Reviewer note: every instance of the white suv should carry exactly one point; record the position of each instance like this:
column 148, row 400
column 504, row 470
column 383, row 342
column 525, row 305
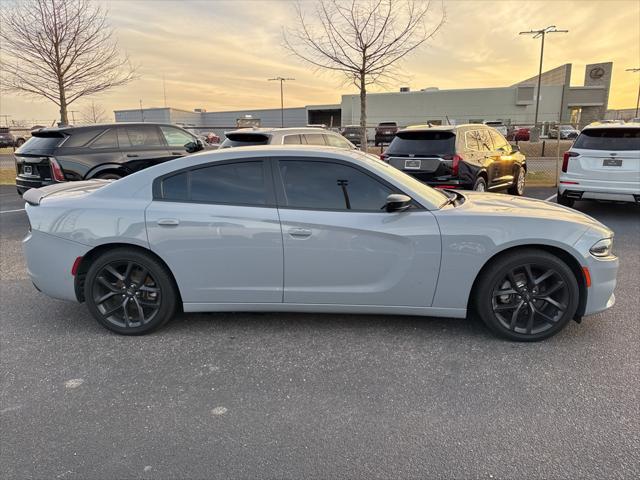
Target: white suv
column 602, row 164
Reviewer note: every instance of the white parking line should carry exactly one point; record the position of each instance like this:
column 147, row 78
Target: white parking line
column 551, row 197
column 12, row 211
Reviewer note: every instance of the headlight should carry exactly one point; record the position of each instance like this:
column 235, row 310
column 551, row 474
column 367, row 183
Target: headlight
column 602, row 248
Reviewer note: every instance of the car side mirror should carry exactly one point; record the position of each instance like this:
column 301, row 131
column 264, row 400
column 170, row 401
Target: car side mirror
column 397, row 202
column 195, row 146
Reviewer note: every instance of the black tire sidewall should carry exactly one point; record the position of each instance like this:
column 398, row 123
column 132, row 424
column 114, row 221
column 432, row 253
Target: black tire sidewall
column 513, row 190
column 562, row 200
column 497, row 270
column 160, row 274
column 109, row 176
column 478, row 181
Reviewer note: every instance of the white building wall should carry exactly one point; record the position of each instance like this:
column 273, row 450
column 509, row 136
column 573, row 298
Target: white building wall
column 293, row 117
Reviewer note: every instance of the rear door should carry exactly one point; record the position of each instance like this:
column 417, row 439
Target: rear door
column 142, row 146
column 217, row 227
column 608, row 154
column 341, row 247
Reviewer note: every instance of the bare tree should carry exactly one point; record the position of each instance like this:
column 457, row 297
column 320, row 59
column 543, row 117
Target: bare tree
column 93, row 113
column 61, row 50
column 363, row 39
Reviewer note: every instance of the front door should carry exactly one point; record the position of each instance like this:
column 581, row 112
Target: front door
column 341, row 247
column 217, row 228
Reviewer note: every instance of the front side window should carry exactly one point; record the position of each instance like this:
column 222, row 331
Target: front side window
column 139, row 136
column 330, row 186
column 176, row 137
column 499, row 142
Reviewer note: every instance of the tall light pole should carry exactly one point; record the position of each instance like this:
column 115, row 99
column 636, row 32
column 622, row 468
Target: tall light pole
column 541, row 33
column 636, row 70
column 281, row 80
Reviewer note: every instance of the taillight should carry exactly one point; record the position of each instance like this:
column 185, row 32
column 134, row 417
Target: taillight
column 565, row 160
column 384, row 157
column 56, row 171
column 455, row 163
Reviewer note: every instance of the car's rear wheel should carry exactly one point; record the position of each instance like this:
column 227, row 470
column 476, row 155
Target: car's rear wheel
column 527, row 295
column 518, row 182
column 565, row 201
column 130, row 292
column 480, row 185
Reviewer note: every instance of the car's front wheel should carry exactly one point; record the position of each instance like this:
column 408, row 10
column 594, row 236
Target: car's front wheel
column 527, row 295
column 518, row 182
column 130, row 292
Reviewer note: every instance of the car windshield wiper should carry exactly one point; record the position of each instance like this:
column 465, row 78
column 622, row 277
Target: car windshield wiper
column 452, row 197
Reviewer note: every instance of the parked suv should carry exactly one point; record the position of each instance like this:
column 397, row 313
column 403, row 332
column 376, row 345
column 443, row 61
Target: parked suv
column 6, row 138
column 285, row 136
column 602, row 164
column 108, row 151
column 352, row 133
column 385, row 131
column 464, row 156
column 566, row 132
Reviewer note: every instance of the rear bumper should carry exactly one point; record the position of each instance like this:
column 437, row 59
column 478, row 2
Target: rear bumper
column 384, row 137
column 49, row 262
column 581, row 189
column 23, row 184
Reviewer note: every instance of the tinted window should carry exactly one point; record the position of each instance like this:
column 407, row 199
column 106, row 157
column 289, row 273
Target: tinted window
column 325, row 185
column 176, row 137
column 387, row 124
column 41, row 143
column 175, row 187
column 235, row 183
column 314, row 138
column 139, row 136
column 484, row 140
column 244, row 140
column 292, row 140
column 608, row 139
column 107, row 140
column 336, row 141
column 471, row 140
column 423, row 143
column 79, row 138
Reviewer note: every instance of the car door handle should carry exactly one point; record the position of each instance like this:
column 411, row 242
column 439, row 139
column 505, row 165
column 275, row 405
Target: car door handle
column 132, row 155
column 168, row 222
column 299, row 232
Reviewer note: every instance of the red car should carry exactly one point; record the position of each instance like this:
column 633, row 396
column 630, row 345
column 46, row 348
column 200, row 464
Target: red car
column 519, row 134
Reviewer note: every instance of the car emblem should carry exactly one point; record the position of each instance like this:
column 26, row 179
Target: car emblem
column 412, row 155
column 27, row 170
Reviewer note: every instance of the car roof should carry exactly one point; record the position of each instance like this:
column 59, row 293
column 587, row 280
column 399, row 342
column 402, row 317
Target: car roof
column 610, row 125
column 71, row 128
column 278, row 130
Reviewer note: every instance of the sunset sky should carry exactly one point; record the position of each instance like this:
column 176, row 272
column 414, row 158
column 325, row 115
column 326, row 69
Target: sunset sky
column 218, row 54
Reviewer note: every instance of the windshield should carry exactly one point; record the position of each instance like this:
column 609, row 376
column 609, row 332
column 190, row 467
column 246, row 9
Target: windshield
column 609, row 139
column 435, row 197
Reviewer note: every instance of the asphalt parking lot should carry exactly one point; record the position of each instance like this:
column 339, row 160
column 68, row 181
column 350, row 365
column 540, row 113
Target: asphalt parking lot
column 315, row 396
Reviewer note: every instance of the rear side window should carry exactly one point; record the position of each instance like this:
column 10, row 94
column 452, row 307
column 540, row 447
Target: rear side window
column 139, row 136
column 609, row 139
column 80, row 138
column 244, row 140
column 239, row 183
column 292, row 140
column 108, row 139
column 330, row 186
column 423, row 143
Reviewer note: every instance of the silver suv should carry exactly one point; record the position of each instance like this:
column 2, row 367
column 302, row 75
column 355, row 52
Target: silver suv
column 602, row 164
column 285, row 136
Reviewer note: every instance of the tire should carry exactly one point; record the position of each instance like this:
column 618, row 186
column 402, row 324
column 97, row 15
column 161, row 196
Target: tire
column 518, row 183
column 140, row 307
column 532, row 310
column 109, row 176
column 19, row 142
column 480, row 185
column 562, row 200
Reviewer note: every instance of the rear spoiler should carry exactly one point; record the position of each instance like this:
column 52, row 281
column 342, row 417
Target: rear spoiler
column 34, row 196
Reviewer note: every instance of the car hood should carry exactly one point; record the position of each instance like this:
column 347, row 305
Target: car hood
column 522, row 207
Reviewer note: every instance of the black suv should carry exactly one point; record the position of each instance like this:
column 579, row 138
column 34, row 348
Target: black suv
column 471, row 156
column 108, row 151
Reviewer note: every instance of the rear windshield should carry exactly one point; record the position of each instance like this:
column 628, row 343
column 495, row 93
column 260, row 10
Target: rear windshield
column 387, row 124
column 40, row 142
column 423, row 143
column 244, row 140
column 609, row 139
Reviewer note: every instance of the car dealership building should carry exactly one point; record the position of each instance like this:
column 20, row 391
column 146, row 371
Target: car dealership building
column 514, row 105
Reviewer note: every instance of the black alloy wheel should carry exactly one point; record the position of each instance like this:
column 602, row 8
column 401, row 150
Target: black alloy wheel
column 528, row 295
column 129, row 292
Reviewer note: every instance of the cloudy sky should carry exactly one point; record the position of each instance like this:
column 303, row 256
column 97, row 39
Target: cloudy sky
column 218, row 54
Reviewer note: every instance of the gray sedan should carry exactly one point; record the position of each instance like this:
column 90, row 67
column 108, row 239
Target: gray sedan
column 311, row 229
